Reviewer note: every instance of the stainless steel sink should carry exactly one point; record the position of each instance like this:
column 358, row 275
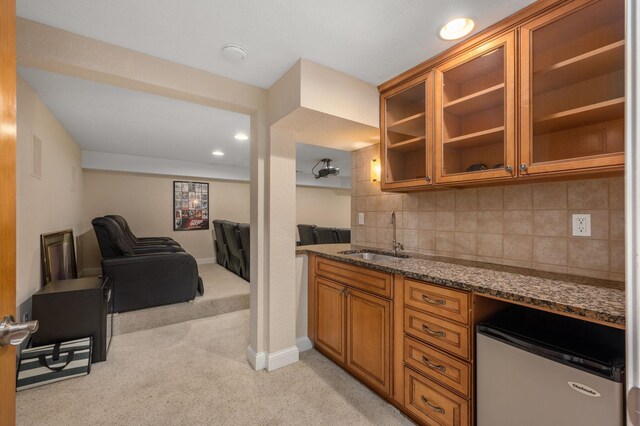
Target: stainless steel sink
column 376, row 257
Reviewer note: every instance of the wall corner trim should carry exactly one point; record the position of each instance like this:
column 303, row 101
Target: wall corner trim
column 282, row 358
column 257, row 360
column 304, row 343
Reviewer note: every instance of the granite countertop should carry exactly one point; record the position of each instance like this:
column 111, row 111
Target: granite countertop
column 592, row 298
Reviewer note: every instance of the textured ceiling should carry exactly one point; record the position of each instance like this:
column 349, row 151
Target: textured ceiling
column 373, row 40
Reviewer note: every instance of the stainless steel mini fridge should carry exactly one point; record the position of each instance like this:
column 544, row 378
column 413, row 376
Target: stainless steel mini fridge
column 541, row 369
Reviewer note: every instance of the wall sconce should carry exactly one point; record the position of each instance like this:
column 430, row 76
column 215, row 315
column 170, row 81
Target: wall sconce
column 375, row 170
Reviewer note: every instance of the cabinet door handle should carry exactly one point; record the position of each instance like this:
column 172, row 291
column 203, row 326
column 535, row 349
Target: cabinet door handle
column 523, row 167
column 440, row 368
column 433, row 301
column 432, row 332
column 509, row 169
column 345, row 292
column 435, row 408
column 427, row 178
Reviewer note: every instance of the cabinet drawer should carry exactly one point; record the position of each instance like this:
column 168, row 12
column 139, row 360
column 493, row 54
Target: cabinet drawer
column 437, row 365
column 432, row 403
column 450, row 304
column 376, row 282
column 442, row 334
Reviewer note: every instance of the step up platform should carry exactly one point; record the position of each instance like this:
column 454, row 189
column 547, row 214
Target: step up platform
column 224, row 292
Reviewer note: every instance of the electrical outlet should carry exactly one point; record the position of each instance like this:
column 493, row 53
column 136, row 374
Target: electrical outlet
column 360, row 218
column 581, row 225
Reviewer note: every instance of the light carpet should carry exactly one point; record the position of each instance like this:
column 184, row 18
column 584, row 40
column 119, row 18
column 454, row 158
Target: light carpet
column 196, row 373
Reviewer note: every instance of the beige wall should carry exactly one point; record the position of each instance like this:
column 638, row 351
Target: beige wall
column 50, row 203
column 145, row 201
column 323, row 206
column 527, row 225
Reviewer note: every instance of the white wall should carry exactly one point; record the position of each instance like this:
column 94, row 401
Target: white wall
column 50, row 203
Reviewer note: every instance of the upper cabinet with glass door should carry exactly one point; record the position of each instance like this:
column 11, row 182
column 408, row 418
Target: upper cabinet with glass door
column 474, row 114
column 406, row 135
column 572, row 89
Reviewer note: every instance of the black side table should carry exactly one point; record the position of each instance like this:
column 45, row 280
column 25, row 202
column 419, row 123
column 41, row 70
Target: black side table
column 72, row 309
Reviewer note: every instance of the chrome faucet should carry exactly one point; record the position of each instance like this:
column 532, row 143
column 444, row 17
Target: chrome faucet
column 396, row 244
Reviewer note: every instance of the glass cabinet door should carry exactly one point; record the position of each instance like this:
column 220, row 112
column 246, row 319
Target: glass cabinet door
column 474, row 114
column 572, row 74
column 406, row 142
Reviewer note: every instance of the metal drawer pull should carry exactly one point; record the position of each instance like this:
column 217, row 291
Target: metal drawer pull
column 435, row 408
column 440, row 368
column 433, row 333
column 433, row 301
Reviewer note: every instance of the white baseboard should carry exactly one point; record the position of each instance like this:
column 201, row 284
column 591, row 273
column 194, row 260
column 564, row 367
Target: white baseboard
column 282, row 358
column 205, row 260
column 273, row 361
column 257, row 360
column 304, row 343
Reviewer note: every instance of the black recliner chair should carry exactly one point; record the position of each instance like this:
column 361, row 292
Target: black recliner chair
column 222, row 250
column 140, row 241
column 307, row 236
column 343, row 234
column 234, row 244
column 144, row 277
column 245, row 238
column 325, row 235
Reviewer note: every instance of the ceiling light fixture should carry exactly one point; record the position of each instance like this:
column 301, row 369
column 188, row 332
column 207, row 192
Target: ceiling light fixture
column 456, row 28
column 217, row 153
column 234, row 52
column 241, row 137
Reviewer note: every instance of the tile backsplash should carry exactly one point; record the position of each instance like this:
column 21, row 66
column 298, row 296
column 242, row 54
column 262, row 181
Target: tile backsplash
column 526, row 225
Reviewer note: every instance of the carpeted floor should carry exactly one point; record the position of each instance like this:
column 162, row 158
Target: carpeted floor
column 195, row 373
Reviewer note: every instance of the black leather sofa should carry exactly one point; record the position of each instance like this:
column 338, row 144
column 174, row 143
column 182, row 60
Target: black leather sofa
column 220, row 244
column 135, row 241
column 312, row 234
column 232, row 242
column 145, row 276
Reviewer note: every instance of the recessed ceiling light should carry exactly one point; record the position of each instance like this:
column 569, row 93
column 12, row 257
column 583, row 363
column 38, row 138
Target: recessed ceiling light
column 234, row 52
column 456, row 28
column 218, row 153
column 241, row 137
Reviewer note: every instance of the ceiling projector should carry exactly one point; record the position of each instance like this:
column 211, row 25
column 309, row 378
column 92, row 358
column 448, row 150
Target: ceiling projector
column 326, row 170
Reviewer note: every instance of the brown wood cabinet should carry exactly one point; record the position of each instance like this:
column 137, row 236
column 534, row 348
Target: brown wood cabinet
column 352, row 323
column 369, row 339
column 406, row 121
column 464, row 131
column 572, row 88
column 475, row 113
column 330, row 319
column 408, row 340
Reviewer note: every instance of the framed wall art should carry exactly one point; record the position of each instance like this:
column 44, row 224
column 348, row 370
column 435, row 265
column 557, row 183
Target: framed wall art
column 190, row 205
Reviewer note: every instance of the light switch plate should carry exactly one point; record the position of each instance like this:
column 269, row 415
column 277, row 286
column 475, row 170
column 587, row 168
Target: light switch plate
column 581, row 225
column 360, row 218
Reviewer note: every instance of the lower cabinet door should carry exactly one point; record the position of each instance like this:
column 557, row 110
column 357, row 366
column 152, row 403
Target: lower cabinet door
column 330, row 319
column 369, row 339
column 432, row 403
